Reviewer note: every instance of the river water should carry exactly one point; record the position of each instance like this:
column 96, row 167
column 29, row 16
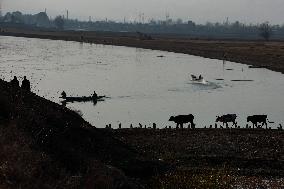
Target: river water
column 141, row 86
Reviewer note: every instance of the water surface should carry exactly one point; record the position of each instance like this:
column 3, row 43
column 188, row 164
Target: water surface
column 142, row 87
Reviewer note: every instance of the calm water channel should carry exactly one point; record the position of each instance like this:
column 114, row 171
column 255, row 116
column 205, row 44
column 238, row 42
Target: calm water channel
column 142, row 87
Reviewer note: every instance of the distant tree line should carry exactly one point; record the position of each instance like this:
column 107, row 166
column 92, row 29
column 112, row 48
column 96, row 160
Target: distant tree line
column 179, row 27
column 38, row 20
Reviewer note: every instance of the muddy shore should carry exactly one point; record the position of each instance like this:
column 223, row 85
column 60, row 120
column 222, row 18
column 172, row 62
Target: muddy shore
column 268, row 55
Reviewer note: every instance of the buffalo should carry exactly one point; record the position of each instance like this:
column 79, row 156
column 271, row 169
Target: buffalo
column 255, row 119
column 183, row 119
column 225, row 119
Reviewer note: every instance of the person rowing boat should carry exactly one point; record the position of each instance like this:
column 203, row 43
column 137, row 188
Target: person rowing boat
column 194, row 78
column 94, row 97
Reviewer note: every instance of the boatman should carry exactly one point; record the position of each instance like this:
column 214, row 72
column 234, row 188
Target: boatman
column 95, row 96
column 63, row 95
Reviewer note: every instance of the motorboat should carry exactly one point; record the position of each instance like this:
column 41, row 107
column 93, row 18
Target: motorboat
column 197, row 79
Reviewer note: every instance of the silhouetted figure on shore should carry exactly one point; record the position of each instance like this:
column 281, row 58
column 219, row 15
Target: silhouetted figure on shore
column 224, row 57
column 280, row 127
column 108, row 126
column 26, row 85
column 154, row 126
column 63, row 94
column 119, row 126
column 15, row 82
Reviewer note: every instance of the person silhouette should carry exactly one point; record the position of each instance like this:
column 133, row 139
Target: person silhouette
column 15, row 82
column 63, row 94
column 26, row 85
column 95, row 96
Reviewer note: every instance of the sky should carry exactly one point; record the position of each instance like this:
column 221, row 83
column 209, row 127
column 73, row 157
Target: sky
column 199, row 11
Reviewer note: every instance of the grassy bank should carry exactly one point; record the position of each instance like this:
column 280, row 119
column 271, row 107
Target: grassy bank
column 257, row 53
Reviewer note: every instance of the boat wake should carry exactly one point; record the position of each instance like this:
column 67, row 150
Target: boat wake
column 204, row 85
column 200, row 81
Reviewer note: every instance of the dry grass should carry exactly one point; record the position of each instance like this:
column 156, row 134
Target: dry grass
column 215, row 179
column 21, row 166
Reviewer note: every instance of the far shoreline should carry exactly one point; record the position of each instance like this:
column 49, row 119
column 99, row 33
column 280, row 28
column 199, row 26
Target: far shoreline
column 257, row 54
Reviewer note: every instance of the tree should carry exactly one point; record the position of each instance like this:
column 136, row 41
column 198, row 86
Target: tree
column 42, row 19
column 59, row 22
column 265, row 30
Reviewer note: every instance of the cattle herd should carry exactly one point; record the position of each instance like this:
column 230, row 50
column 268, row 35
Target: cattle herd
column 258, row 121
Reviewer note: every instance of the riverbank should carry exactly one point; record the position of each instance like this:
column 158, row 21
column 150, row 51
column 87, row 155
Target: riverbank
column 212, row 158
column 45, row 145
column 262, row 54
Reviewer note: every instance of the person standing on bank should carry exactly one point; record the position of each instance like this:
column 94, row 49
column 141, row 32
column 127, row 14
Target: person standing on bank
column 15, row 82
column 26, row 85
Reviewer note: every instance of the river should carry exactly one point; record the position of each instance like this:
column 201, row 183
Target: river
column 141, row 86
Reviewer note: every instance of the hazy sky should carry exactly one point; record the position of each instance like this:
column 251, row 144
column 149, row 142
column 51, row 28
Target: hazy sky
column 200, row 11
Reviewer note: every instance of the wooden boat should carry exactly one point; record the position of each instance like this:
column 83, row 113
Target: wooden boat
column 82, row 99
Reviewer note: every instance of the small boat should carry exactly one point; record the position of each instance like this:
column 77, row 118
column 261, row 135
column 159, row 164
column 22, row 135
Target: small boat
column 197, row 79
column 83, row 98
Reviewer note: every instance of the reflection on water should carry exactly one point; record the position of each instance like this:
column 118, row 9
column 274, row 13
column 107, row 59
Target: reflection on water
column 142, row 87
